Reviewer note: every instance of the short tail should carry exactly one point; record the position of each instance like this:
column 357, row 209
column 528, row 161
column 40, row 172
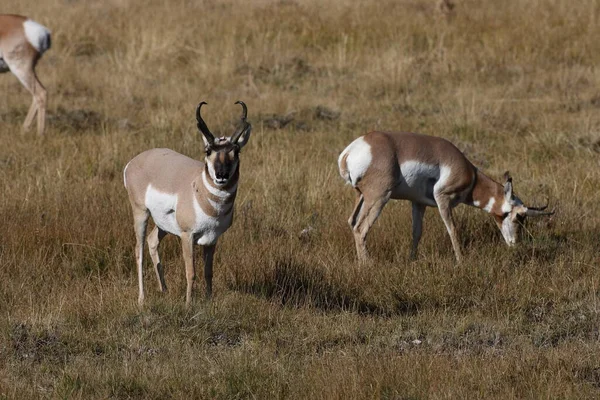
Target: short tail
column 343, row 166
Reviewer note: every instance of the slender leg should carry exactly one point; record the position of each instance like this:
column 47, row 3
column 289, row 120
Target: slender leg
column 443, row 203
column 30, row 114
column 187, row 245
column 24, row 71
column 42, row 98
column 357, row 207
column 154, row 239
column 140, row 222
column 207, row 255
column 418, row 211
column 368, row 214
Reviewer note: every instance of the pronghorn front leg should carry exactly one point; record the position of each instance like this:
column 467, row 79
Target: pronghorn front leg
column 207, row 255
column 154, row 239
column 187, row 246
column 443, row 203
column 418, row 211
column 370, row 210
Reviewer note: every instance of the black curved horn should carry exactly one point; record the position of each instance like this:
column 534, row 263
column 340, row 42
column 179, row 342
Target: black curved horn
column 542, row 208
column 210, row 138
column 531, row 212
column 538, row 211
column 244, row 109
column 245, row 125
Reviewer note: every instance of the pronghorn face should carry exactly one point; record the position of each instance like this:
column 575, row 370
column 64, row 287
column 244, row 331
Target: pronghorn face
column 512, row 220
column 222, row 154
column 514, row 213
column 222, row 160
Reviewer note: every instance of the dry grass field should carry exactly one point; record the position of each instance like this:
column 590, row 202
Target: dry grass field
column 515, row 84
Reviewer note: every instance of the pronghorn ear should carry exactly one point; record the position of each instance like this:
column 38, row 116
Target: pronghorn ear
column 508, row 190
column 508, row 187
column 207, row 144
column 244, row 137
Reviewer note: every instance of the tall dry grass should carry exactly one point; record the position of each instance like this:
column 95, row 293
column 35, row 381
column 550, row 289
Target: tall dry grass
column 514, row 84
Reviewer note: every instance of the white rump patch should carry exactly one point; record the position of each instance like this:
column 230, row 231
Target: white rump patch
column 490, row 204
column 37, row 35
column 358, row 160
column 163, row 208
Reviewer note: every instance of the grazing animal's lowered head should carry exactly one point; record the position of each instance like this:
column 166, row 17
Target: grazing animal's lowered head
column 222, row 154
column 514, row 213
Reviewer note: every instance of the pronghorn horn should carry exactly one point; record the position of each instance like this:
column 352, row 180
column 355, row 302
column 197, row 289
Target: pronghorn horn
column 538, row 211
column 532, row 212
column 245, row 125
column 210, row 138
column 542, row 208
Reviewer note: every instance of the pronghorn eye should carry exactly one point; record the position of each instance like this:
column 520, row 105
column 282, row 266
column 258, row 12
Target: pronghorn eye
column 208, row 151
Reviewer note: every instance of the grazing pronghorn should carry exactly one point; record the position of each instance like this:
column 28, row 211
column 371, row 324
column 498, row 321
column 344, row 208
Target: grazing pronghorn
column 22, row 43
column 187, row 198
column 428, row 171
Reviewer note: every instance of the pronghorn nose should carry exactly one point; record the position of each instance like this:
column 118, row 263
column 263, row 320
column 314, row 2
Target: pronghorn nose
column 222, row 175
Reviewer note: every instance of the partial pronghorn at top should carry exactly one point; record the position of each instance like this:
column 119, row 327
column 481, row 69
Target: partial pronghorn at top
column 22, row 43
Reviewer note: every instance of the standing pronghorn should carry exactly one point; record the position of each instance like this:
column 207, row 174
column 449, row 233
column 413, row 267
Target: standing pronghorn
column 22, row 43
column 428, row 171
column 185, row 197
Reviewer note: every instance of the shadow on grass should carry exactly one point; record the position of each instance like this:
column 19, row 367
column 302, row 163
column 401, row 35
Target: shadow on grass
column 295, row 284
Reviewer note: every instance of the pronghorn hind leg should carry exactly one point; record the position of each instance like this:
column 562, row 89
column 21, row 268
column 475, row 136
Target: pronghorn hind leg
column 357, row 207
column 140, row 223
column 207, row 255
column 418, row 211
column 25, row 72
column 154, row 239
column 369, row 212
column 443, row 203
column 187, row 246
column 42, row 99
column 30, row 114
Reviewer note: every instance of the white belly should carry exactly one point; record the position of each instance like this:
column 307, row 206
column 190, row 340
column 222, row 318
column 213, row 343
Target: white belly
column 418, row 181
column 163, row 208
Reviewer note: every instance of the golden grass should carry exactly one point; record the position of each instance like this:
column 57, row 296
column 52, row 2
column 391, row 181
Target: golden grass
column 514, row 84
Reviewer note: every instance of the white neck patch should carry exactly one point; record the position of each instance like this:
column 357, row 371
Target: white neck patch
column 214, row 190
